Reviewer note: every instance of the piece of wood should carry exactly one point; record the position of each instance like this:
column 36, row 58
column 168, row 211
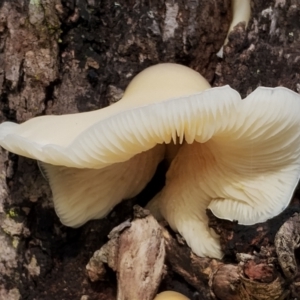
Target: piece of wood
column 141, row 260
column 136, row 252
column 287, row 240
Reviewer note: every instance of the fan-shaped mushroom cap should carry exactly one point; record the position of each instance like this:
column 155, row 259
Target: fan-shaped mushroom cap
column 244, row 165
column 94, row 160
column 170, row 295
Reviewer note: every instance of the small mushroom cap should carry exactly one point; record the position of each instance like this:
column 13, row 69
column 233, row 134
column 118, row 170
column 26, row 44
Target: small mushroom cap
column 170, row 295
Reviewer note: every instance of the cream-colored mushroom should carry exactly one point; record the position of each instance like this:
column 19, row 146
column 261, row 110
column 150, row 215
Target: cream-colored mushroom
column 239, row 158
column 244, row 165
column 241, row 12
column 170, row 295
column 94, row 160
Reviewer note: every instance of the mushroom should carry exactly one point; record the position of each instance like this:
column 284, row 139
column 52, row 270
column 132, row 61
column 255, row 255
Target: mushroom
column 170, row 295
column 243, row 164
column 94, row 160
column 241, row 159
column 241, row 11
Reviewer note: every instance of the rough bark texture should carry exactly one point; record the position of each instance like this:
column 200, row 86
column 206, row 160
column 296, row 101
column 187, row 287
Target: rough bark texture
column 136, row 252
column 139, row 259
column 64, row 56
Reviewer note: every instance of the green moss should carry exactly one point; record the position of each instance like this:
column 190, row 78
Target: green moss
column 12, row 213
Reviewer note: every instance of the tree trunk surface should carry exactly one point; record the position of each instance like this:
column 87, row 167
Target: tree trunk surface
column 67, row 56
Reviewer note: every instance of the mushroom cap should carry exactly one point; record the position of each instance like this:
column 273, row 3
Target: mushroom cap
column 254, row 155
column 114, row 134
column 170, row 295
column 244, row 165
column 94, row 160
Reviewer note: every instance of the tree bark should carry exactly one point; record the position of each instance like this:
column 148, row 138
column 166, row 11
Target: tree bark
column 67, row 56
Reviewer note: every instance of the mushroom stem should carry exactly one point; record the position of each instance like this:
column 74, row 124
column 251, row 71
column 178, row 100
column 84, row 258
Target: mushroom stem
column 187, row 194
column 241, row 12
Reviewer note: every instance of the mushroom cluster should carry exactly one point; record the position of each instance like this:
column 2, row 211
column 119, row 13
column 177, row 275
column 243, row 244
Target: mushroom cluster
column 239, row 158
